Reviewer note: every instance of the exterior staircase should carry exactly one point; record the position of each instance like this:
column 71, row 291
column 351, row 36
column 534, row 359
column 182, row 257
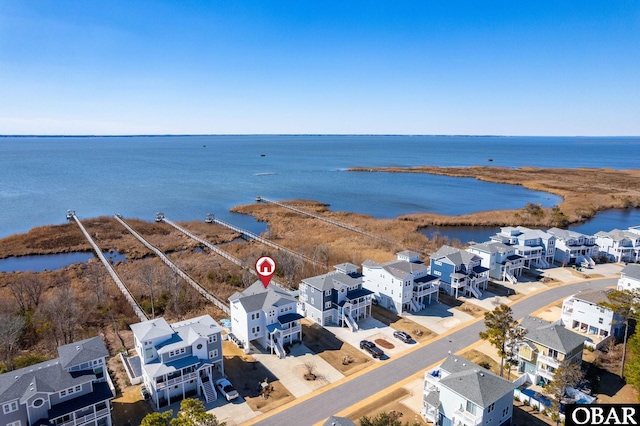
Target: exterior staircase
column 475, row 291
column 543, row 263
column 415, row 306
column 509, row 276
column 208, row 389
column 279, row 349
column 351, row 322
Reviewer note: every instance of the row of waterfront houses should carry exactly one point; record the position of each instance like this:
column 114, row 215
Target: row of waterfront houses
column 183, row 359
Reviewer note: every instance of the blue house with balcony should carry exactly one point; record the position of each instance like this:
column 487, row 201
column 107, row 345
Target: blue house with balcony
column 460, row 272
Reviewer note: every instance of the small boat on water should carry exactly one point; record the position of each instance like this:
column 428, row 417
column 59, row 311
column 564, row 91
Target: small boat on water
column 263, row 155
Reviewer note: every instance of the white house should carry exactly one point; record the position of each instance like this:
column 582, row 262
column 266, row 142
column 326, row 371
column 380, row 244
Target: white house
column 460, row 392
column 583, row 314
column 620, row 245
column 73, row 389
column 179, row 360
column 574, row 248
column 535, row 246
column 460, row 272
column 629, row 277
column 336, row 297
column 267, row 316
column 402, row 284
column 501, row 260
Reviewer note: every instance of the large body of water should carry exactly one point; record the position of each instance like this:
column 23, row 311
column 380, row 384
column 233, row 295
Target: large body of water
column 189, row 176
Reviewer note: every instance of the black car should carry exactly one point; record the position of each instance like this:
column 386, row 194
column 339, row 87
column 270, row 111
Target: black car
column 371, row 347
column 405, row 337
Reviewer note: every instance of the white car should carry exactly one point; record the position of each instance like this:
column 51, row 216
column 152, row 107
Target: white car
column 226, row 388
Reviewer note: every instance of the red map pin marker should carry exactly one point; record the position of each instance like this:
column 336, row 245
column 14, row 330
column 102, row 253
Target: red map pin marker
column 265, row 268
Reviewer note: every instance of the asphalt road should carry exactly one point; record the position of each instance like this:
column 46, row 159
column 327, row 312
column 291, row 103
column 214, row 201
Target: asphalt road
column 393, row 370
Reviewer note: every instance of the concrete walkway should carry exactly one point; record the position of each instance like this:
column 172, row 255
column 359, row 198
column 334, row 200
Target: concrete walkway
column 290, row 370
column 370, row 329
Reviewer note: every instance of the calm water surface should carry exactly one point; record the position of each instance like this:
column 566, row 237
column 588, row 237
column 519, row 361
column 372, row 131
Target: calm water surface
column 187, row 177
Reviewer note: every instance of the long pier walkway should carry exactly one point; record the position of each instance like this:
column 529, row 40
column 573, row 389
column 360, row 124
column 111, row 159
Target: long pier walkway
column 333, row 222
column 136, row 307
column 251, row 235
column 220, row 304
column 213, row 248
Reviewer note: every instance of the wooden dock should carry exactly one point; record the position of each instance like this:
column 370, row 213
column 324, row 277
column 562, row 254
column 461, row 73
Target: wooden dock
column 215, row 249
column 211, row 298
column 250, row 235
column 333, row 222
column 127, row 294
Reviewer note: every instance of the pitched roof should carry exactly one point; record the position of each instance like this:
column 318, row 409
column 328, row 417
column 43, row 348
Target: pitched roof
column 256, row 297
column 565, row 234
column 632, row 270
column 338, row 421
column 398, row 268
column 473, row 382
column 149, row 330
column 455, row 255
column 332, row 280
column 593, row 296
column 82, row 351
column 492, row 247
column 551, row 335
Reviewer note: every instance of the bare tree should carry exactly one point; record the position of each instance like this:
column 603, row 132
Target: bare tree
column 11, row 327
column 27, row 289
column 95, row 275
column 64, row 314
column 148, row 275
column 289, row 266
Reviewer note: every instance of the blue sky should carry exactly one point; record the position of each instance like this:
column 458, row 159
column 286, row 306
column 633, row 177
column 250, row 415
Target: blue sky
column 401, row 67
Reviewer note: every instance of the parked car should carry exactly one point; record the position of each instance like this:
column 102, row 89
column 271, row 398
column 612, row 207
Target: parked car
column 144, row 392
column 226, row 388
column 371, row 347
column 405, row 337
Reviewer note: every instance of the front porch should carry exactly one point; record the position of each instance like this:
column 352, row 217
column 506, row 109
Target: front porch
column 182, row 379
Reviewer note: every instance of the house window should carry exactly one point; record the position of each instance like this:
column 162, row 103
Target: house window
column 213, row 338
column 213, row 354
column 327, row 305
column 37, row 402
column 471, row 408
column 16, row 423
column 313, row 301
column 199, row 346
column 327, row 293
column 600, row 320
column 491, row 407
column 10, row 407
column 257, row 315
column 147, row 343
column 505, row 411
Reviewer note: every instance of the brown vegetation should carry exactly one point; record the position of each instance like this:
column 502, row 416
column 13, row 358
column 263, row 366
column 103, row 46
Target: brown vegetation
column 584, row 192
column 389, row 402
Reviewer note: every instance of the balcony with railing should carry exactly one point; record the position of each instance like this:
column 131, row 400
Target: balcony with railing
column 461, row 416
column 176, row 380
column 83, row 420
column 547, row 360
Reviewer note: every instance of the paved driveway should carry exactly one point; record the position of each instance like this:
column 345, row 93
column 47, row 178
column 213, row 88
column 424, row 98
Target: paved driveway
column 438, row 317
column 388, row 373
column 370, row 329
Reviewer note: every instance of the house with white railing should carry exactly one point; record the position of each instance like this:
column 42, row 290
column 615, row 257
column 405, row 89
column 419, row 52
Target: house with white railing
column 545, row 346
column 179, row 360
column 629, row 277
column 267, row 317
column 535, row 246
column 73, row 389
column 460, row 272
column 336, row 297
column 583, row 314
column 460, row 392
column 620, row 245
column 574, row 248
column 501, row 260
column 400, row 285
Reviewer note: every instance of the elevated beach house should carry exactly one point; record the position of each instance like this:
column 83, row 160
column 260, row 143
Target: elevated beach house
column 402, row 284
column 535, row 246
column 574, row 248
column 583, row 314
column 629, row 277
column 460, row 392
column 73, row 389
column 179, row 360
column 460, row 272
column 620, row 245
column 545, row 346
column 336, row 297
column 266, row 316
column 500, row 259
